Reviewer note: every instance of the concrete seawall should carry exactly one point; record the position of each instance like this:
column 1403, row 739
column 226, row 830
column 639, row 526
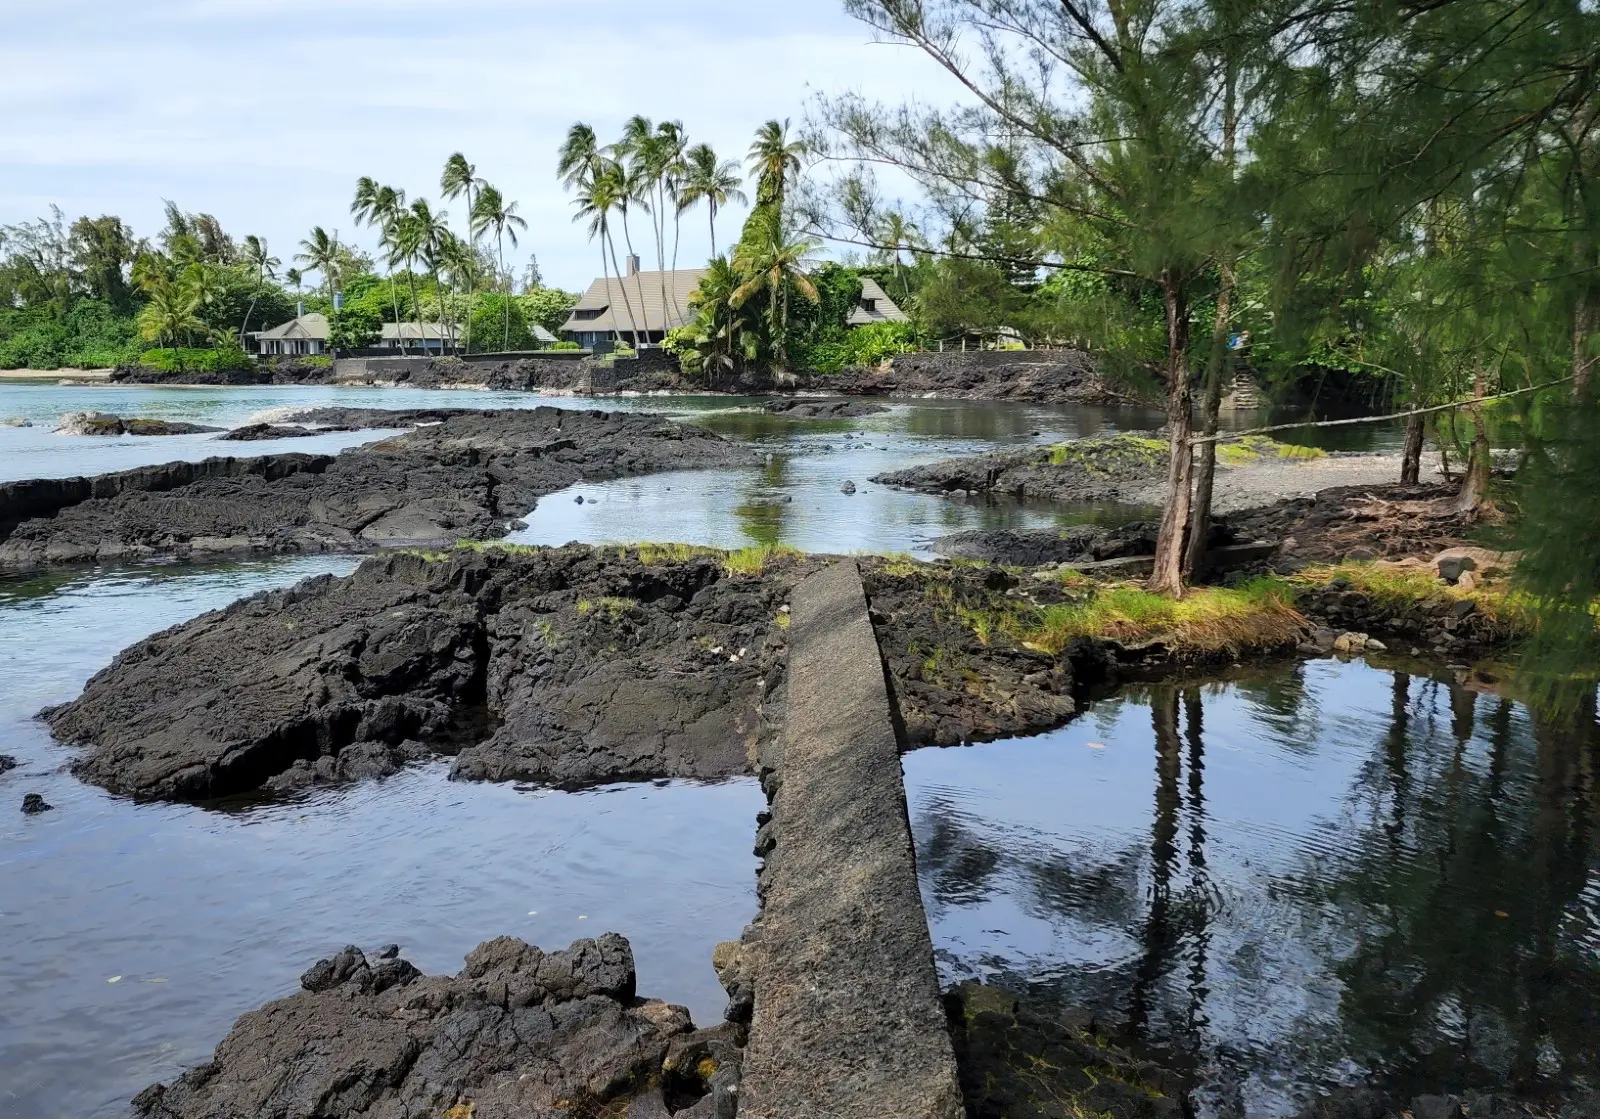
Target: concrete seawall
column 848, row 1022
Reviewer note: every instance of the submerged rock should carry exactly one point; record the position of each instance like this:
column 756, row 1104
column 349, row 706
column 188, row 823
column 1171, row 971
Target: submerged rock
column 570, row 666
column 7, row 763
column 517, row 1033
column 1019, row 1061
column 255, row 433
column 824, row 409
column 848, row 488
column 471, row 476
column 33, row 804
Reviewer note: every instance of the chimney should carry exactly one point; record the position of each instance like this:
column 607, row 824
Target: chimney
column 300, row 309
column 633, row 264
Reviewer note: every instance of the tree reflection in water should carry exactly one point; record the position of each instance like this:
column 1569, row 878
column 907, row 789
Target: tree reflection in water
column 1343, row 874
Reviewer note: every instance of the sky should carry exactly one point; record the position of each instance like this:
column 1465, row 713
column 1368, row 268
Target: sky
column 265, row 112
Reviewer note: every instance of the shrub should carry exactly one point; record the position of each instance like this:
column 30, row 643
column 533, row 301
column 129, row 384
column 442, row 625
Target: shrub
column 864, row 345
column 566, row 344
column 196, row 361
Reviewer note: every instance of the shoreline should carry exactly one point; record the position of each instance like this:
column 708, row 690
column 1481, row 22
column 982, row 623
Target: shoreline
column 72, row 376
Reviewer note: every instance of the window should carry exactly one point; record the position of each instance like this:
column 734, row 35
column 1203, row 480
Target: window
column 869, row 304
column 588, row 313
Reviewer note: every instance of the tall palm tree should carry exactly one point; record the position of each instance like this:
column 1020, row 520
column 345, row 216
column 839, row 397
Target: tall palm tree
column 712, row 182
column 895, row 233
column 460, row 261
column 432, row 229
column 405, row 238
column 774, row 160
column 320, row 252
column 259, row 257
column 293, row 276
column 597, row 194
column 770, row 257
column 494, row 212
column 460, row 179
column 382, row 206
column 579, row 157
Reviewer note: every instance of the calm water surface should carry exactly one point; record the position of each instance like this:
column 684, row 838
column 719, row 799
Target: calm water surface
column 132, row 935
column 1328, row 873
column 1300, row 884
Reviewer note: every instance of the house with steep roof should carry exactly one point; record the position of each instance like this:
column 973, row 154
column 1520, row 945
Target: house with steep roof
column 875, row 306
column 304, row 334
column 646, row 304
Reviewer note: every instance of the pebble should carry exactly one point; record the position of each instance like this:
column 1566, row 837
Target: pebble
column 579, row 499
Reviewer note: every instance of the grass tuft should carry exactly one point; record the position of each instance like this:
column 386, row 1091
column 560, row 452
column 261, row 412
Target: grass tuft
column 754, row 560
column 652, row 553
column 613, row 607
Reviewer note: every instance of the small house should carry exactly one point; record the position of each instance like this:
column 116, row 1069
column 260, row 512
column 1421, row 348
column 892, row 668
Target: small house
column 300, row 336
column 875, row 306
column 642, row 305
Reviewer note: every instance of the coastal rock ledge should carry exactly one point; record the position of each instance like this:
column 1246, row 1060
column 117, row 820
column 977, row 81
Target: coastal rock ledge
column 519, row 1032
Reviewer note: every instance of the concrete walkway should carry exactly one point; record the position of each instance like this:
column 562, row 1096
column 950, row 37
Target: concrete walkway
column 848, row 1022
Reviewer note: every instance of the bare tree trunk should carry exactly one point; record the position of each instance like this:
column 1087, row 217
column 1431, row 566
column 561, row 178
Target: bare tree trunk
column 622, row 282
column 1167, row 577
column 1205, row 470
column 1583, row 324
column 1474, row 496
column 1411, row 454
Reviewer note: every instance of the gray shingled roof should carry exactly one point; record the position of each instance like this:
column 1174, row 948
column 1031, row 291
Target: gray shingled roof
column 412, row 331
column 313, row 326
column 884, row 308
column 644, row 293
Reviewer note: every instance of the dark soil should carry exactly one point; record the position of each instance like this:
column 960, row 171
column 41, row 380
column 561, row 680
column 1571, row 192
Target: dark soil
column 1358, row 522
column 518, row 1034
column 471, row 476
column 1109, row 469
column 571, row 667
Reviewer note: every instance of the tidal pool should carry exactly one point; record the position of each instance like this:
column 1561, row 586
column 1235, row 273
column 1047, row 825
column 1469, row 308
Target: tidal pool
column 1323, row 874
column 132, row 935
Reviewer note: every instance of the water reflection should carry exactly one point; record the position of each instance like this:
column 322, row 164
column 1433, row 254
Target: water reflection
column 1323, row 875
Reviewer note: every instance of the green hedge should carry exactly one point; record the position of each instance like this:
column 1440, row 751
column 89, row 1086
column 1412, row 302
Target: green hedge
column 196, row 361
column 863, row 345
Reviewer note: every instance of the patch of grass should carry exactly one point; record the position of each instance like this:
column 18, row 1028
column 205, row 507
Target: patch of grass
column 900, row 565
column 1206, row 620
column 755, row 559
column 613, row 607
column 498, row 546
column 784, row 620
column 1254, row 448
column 1398, row 586
column 651, row 553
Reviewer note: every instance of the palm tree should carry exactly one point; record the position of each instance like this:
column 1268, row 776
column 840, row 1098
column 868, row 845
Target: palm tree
column 771, row 261
column 382, row 206
column 579, row 157
column 712, row 182
column 321, row 253
column 293, row 276
column 432, row 230
column 203, row 283
column 774, row 159
column 460, row 179
column 405, row 239
column 168, row 312
column 597, row 195
column 261, row 259
column 895, row 233
column 494, row 212
column 716, row 318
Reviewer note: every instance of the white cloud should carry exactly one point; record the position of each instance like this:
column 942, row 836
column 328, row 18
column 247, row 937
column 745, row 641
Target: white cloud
column 265, row 112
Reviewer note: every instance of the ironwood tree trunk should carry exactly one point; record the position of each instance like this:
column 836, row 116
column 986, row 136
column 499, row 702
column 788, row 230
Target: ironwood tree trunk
column 1205, row 466
column 1167, row 576
column 1474, row 495
column 1411, row 453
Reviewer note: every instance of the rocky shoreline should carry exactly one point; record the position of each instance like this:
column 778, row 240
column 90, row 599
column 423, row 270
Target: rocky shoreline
column 1027, row 376
column 470, row 475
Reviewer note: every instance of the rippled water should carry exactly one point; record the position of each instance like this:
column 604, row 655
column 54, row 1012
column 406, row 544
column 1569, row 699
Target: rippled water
column 132, row 935
column 1309, row 877
column 1308, row 904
